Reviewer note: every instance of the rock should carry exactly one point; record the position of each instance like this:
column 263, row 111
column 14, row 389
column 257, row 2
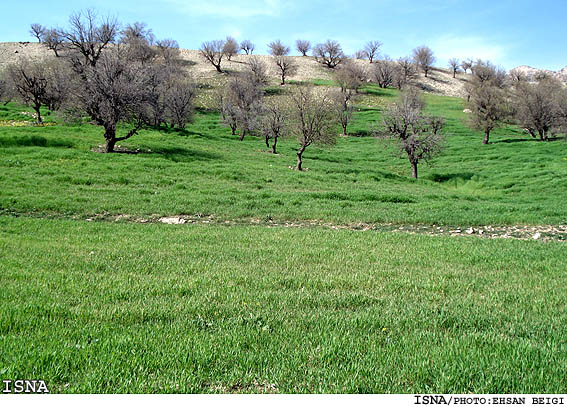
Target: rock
column 467, row 111
column 173, row 221
column 536, row 236
column 469, row 231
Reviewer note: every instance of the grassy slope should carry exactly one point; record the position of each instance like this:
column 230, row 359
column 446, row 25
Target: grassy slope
column 159, row 308
column 120, row 307
column 205, row 170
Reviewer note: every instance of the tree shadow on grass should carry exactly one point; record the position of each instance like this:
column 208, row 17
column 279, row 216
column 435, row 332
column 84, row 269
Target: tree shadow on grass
column 531, row 140
column 181, row 154
column 465, row 176
column 34, row 141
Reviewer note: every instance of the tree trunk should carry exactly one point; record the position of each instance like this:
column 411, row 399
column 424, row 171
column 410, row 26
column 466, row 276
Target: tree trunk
column 233, row 128
column 486, row 136
column 218, row 68
column 38, row 113
column 344, row 129
column 267, row 142
column 274, row 145
column 110, row 136
column 300, row 158
column 414, row 169
column 454, row 74
column 242, row 134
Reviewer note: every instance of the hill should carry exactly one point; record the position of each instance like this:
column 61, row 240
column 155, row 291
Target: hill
column 440, row 81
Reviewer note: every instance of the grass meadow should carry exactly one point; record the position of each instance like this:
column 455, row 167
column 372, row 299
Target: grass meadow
column 128, row 307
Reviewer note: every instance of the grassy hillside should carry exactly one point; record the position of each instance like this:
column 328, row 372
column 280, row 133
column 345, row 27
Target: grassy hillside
column 204, row 170
column 121, row 306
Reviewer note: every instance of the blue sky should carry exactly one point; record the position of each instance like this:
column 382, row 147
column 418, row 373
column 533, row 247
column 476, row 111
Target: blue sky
column 508, row 32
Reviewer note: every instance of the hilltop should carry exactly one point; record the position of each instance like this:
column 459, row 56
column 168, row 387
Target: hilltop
column 440, row 81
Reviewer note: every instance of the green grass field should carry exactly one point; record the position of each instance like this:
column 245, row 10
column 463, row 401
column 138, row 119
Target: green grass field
column 126, row 307
column 96, row 307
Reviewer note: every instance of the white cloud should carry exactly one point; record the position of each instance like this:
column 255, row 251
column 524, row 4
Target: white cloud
column 229, row 9
column 462, row 47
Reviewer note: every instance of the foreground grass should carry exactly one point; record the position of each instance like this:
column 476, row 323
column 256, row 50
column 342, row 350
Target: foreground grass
column 114, row 307
column 205, row 170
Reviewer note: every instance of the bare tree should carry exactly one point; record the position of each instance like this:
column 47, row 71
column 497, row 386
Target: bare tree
column 384, row 72
column 39, row 83
column 5, row 89
column 360, row 54
column 303, row 46
column 53, row 40
column 371, row 50
column 138, row 39
column 535, row 107
column 488, row 107
column 424, row 58
column 350, row 76
column 168, row 49
column 247, row 47
column 516, row 76
column 467, row 64
column 286, row 66
column 259, row 71
column 454, row 65
column 87, row 36
column 486, row 72
column 405, row 73
column 342, row 104
column 273, row 123
column 230, row 47
column 37, row 30
column 416, row 135
column 242, row 104
column 329, row 53
column 313, row 120
column 179, row 99
column 213, row 51
column 276, row 48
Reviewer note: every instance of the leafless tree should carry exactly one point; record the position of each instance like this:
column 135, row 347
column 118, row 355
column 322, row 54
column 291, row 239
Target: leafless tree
column 405, row 73
column 37, row 30
column 247, row 47
column 138, row 39
column 488, row 107
column 241, row 104
column 277, row 49
column 303, row 46
column 360, row 54
column 329, row 53
column 535, row 107
column 312, row 119
column 53, row 40
column 516, row 76
column 286, row 66
column 138, row 31
column 179, row 99
column 259, row 71
column 342, row 104
column 230, row 47
column 486, row 72
column 384, row 72
column 350, row 76
column 467, row 64
column 39, row 83
column 416, row 135
column 424, row 58
column 213, row 51
column 87, row 36
column 454, row 65
column 274, row 123
column 371, row 50
column 168, row 49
